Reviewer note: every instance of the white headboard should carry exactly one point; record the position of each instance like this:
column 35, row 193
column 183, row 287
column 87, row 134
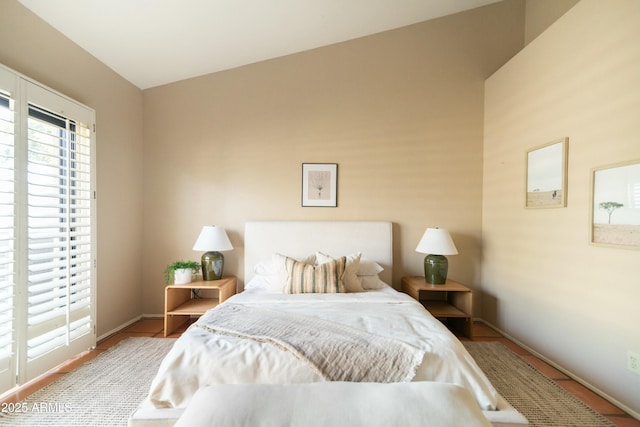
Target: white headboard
column 302, row 238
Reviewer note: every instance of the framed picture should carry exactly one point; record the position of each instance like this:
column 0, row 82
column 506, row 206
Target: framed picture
column 615, row 211
column 546, row 185
column 320, row 184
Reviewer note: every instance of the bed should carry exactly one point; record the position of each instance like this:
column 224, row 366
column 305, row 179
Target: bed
column 248, row 340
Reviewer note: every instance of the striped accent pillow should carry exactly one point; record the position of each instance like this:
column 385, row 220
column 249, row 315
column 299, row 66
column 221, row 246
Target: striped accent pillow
column 351, row 281
column 324, row 278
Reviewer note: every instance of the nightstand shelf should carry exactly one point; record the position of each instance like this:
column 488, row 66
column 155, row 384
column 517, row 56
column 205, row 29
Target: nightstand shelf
column 194, row 307
column 443, row 309
column 451, row 302
column 179, row 305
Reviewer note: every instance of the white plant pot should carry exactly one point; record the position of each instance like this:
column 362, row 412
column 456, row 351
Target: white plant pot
column 182, row 276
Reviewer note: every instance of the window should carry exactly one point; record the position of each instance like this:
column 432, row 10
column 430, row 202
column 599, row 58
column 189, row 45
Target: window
column 47, row 223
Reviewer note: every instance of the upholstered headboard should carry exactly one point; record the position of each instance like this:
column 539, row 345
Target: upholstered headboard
column 302, row 238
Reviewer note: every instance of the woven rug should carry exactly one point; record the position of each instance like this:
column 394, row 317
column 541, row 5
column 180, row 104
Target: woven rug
column 108, row 389
column 540, row 399
column 103, row 392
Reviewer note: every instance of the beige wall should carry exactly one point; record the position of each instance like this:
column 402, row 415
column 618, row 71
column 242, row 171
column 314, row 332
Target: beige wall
column 540, row 14
column 543, row 283
column 36, row 50
column 401, row 113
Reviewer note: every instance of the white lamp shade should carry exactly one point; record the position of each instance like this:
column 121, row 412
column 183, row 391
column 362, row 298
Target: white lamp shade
column 212, row 238
column 436, row 241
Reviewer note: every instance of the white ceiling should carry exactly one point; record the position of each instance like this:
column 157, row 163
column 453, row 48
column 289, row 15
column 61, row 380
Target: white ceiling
column 154, row 42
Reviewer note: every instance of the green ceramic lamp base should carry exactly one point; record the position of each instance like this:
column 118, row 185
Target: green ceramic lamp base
column 435, row 269
column 212, row 265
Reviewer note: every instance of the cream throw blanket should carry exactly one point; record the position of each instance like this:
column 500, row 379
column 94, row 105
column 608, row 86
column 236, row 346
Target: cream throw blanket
column 336, row 352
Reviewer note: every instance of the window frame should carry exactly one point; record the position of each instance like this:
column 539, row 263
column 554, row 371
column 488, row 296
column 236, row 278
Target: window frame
column 26, row 93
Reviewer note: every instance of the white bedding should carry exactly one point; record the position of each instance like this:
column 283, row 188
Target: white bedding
column 332, row 404
column 200, row 358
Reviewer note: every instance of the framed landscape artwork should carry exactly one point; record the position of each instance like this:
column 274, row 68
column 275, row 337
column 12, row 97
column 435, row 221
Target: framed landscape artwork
column 320, row 184
column 546, row 185
column 615, row 212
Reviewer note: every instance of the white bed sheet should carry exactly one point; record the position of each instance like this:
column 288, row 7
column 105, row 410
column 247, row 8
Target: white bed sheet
column 200, row 358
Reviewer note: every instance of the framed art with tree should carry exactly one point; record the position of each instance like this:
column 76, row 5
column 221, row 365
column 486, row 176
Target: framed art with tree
column 615, row 211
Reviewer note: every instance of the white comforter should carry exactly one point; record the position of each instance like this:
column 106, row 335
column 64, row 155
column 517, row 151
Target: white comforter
column 201, row 358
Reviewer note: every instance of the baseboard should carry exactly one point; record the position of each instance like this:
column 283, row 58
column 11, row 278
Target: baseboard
column 127, row 324
column 152, row 316
column 565, row 371
column 118, row 329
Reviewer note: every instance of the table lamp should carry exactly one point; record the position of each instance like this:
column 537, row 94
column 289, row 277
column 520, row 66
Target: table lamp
column 436, row 242
column 212, row 240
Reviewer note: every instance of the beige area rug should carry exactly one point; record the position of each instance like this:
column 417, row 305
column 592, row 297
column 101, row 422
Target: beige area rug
column 106, row 390
column 103, row 392
column 540, row 399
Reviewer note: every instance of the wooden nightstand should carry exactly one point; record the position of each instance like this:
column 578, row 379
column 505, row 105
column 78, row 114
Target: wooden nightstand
column 179, row 305
column 452, row 302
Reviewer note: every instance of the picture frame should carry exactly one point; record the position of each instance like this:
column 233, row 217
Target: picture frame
column 615, row 205
column 546, row 175
column 320, row 185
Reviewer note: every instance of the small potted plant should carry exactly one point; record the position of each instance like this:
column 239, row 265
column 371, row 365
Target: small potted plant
column 181, row 272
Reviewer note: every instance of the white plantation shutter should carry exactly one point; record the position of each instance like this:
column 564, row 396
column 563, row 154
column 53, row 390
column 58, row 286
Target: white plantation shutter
column 49, row 237
column 59, row 228
column 7, row 227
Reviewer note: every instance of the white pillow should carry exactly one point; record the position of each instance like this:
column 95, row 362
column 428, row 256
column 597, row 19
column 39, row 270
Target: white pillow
column 279, row 280
column 369, row 268
column 265, row 276
column 258, row 282
column 265, row 268
column 350, row 279
column 368, row 275
column 370, row 283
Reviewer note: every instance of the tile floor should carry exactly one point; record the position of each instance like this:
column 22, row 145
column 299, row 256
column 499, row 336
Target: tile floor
column 614, row 414
column 154, row 328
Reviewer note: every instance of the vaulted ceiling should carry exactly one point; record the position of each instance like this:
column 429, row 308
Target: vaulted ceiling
column 154, row 42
